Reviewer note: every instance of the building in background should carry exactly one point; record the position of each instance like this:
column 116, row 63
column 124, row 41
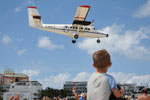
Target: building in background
column 129, row 89
column 27, row 90
column 9, row 77
column 81, row 87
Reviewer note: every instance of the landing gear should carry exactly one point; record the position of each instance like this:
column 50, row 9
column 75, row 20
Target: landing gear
column 98, row 40
column 73, row 41
column 76, row 36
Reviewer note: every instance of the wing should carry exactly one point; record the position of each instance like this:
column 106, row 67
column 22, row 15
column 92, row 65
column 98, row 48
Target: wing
column 81, row 15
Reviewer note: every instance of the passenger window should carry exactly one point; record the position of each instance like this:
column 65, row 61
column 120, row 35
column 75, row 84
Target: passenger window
column 81, row 28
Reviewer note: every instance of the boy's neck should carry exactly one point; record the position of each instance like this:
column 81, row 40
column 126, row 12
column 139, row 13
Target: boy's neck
column 102, row 70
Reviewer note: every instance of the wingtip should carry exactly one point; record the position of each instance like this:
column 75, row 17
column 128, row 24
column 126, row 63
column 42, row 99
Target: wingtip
column 31, row 7
column 86, row 6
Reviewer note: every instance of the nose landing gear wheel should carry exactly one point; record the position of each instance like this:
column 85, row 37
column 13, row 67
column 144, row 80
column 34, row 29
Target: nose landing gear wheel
column 73, row 41
column 76, row 36
column 98, row 41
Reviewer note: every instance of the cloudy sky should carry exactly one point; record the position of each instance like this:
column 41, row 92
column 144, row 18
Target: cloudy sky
column 52, row 59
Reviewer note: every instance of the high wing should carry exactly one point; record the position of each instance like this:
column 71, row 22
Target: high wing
column 81, row 15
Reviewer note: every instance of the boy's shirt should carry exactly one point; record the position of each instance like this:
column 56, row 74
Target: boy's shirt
column 100, row 86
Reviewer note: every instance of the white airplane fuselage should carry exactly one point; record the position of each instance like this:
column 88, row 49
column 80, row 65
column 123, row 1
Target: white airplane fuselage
column 70, row 30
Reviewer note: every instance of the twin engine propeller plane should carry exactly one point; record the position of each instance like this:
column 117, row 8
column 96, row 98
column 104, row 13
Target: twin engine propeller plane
column 79, row 27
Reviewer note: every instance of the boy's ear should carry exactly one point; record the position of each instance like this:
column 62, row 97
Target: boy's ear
column 94, row 66
column 110, row 64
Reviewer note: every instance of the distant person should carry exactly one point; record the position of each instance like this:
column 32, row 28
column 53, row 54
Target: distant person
column 144, row 95
column 100, row 84
column 14, row 97
column 77, row 97
column 133, row 97
column 82, row 96
column 75, row 93
column 17, row 97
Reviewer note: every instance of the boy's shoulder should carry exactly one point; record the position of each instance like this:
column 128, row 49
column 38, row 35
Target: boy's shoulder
column 102, row 75
column 109, row 76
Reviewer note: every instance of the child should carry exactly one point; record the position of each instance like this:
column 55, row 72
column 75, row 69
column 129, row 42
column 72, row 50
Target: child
column 100, row 84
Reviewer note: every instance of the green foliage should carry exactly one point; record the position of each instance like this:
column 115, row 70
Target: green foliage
column 1, row 92
column 50, row 92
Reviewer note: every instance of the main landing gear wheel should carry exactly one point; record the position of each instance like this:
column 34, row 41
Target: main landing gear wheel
column 98, row 41
column 76, row 36
column 73, row 41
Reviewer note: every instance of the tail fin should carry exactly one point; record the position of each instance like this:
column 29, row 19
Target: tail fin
column 34, row 17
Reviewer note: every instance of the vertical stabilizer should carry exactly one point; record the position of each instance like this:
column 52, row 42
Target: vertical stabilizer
column 34, row 17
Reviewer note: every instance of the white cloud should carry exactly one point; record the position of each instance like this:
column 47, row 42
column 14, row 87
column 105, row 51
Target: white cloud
column 45, row 42
column 31, row 72
column 30, row 2
column 127, row 43
column 18, row 9
column 143, row 11
column 21, row 52
column 131, row 78
column 6, row 40
column 83, row 76
column 24, row 5
column 55, row 81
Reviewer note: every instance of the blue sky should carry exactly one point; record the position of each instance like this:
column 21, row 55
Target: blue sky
column 52, row 58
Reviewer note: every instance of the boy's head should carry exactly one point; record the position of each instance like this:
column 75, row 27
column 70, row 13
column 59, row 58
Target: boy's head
column 144, row 91
column 101, row 59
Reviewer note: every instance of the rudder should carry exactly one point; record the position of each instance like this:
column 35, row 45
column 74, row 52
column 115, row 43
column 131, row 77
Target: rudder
column 34, row 17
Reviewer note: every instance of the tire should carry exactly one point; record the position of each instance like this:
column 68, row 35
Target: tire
column 73, row 41
column 76, row 36
column 98, row 41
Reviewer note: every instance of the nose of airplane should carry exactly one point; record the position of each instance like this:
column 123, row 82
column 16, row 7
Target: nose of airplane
column 107, row 35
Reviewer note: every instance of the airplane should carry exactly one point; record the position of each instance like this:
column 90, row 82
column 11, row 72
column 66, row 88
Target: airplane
column 79, row 27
